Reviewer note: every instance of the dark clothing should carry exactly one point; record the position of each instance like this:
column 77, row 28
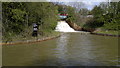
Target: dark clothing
column 35, row 30
column 35, row 34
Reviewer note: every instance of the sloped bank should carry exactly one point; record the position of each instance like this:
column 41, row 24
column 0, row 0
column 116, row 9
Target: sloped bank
column 78, row 28
column 74, row 26
column 105, row 34
column 32, row 41
column 91, row 30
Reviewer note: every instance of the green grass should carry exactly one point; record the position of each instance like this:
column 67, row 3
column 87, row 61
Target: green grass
column 109, row 32
column 20, row 38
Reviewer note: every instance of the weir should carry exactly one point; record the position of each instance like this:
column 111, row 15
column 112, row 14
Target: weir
column 63, row 26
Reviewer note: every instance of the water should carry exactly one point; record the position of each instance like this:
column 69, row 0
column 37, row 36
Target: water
column 71, row 49
column 62, row 26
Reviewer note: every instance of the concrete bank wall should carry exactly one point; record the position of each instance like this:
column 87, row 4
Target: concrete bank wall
column 105, row 34
column 31, row 41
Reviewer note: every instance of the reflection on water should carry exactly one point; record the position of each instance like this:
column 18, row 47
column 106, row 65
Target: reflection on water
column 61, row 48
column 85, row 50
column 71, row 49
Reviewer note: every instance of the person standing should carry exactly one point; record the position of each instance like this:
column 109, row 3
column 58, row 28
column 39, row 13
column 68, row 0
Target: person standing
column 35, row 30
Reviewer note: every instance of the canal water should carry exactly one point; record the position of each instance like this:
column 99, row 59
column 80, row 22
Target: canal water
column 70, row 49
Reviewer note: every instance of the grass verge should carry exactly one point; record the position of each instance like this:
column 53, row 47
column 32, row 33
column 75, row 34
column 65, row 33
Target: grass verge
column 20, row 38
column 108, row 32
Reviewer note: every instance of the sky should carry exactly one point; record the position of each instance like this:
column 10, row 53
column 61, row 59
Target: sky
column 91, row 3
column 88, row 3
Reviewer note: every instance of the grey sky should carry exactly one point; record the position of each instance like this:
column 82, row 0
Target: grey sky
column 88, row 3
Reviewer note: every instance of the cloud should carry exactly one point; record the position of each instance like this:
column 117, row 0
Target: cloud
column 87, row 3
column 90, row 4
column 78, row 0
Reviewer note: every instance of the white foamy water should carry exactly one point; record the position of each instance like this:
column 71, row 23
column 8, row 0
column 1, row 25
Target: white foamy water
column 62, row 26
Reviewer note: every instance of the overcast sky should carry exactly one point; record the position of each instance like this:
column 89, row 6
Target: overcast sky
column 88, row 3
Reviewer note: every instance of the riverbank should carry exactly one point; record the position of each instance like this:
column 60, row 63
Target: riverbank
column 98, row 31
column 106, row 33
column 32, row 39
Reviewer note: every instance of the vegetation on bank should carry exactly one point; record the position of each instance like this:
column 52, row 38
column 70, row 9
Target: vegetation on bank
column 20, row 39
column 18, row 19
column 111, row 32
column 106, row 17
column 63, row 9
column 103, row 18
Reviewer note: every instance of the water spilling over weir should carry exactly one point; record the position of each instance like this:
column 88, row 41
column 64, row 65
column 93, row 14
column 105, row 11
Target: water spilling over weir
column 62, row 26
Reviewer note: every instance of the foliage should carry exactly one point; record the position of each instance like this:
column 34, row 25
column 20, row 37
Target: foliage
column 106, row 15
column 84, row 11
column 18, row 18
column 63, row 9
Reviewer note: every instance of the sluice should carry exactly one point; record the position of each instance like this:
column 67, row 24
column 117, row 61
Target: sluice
column 63, row 26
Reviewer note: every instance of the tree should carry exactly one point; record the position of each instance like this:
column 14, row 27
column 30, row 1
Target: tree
column 18, row 18
column 84, row 11
column 106, row 15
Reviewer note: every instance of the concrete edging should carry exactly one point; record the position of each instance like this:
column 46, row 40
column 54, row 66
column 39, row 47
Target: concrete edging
column 31, row 41
column 105, row 34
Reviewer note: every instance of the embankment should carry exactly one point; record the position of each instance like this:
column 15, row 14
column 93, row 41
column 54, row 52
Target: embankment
column 74, row 26
column 32, row 40
column 79, row 28
column 91, row 30
column 102, row 34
